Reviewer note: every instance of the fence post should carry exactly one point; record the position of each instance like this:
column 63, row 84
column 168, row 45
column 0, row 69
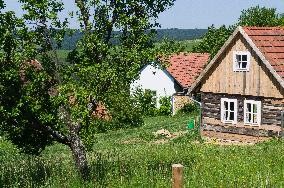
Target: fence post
column 177, row 176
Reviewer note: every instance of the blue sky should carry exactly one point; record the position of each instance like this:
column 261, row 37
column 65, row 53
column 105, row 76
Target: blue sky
column 189, row 14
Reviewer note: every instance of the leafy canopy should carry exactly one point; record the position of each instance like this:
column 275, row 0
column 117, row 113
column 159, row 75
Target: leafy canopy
column 46, row 101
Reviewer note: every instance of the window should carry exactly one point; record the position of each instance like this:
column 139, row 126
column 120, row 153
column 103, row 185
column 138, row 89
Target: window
column 252, row 112
column 241, row 61
column 229, row 110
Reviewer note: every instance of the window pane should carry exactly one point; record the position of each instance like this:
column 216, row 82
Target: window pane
column 248, row 117
column 226, row 105
column 232, row 106
column 226, row 115
column 239, row 64
column 244, row 65
column 231, row 116
column 244, row 57
column 248, row 107
column 254, row 108
column 254, row 118
column 239, row 58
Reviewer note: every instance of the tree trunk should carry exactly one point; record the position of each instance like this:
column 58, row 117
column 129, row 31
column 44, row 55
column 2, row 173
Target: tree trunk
column 79, row 155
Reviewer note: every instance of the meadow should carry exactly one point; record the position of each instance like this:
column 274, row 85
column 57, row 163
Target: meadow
column 188, row 45
column 138, row 158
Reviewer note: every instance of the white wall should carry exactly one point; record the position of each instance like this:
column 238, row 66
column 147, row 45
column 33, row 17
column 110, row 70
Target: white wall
column 161, row 81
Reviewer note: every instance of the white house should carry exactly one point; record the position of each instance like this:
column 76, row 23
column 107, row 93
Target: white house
column 176, row 78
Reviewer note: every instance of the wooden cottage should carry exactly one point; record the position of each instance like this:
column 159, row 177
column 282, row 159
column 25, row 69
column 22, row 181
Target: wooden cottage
column 242, row 86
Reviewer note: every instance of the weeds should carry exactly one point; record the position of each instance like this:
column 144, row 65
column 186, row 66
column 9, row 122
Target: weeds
column 145, row 164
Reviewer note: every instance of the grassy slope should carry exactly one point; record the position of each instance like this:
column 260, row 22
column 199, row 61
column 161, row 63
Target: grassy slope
column 62, row 54
column 189, row 44
column 130, row 158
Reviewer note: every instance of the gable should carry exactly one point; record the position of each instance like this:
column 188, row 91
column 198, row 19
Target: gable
column 258, row 81
column 156, row 79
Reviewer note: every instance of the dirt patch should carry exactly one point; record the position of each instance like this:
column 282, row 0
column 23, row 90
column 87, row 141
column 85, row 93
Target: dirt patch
column 219, row 138
column 160, row 141
column 133, row 141
column 167, row 134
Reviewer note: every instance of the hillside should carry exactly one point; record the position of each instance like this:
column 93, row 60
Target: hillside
column 137, row 158
column 174, row 34
column 188, row 44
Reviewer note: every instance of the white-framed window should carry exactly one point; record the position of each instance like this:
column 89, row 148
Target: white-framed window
column 241, row 60
column 229, row 110
column 252, row 112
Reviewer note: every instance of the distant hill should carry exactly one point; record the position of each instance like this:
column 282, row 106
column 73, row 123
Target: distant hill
column 174, row 34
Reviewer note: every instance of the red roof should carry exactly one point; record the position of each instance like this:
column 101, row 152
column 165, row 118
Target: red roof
column 186, row 67
column 270, row 41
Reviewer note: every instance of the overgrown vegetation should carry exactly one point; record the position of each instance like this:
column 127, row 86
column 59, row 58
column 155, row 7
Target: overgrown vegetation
column 189, row 108
column 152, row 105
column 136, row 158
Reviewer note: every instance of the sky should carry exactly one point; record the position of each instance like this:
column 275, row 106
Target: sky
column 189, row 14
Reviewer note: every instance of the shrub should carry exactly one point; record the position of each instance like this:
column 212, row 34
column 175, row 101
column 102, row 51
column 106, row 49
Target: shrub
column 146, row 101
column 165, row 106
column 189, row 108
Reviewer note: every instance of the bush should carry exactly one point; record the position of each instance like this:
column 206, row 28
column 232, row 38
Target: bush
column 124, row 111
column 189, row 108
column 146, row 101
column 165, row 106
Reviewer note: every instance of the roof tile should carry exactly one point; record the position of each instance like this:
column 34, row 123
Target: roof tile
column 185, row 68
column 270, row 41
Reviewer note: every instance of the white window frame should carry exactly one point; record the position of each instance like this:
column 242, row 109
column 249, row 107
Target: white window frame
column 258, row 113
column 236, row 67
column 235, row 101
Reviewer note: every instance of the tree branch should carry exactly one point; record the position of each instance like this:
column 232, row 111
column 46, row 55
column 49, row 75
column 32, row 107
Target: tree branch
column 113, row 20
column 85, row 13
column 59, row 137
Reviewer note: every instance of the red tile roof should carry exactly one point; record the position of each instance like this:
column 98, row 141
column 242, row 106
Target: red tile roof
column 186, row 67
column 270, row 41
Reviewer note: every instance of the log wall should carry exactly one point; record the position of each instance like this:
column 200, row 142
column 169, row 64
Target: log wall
column 270, row 115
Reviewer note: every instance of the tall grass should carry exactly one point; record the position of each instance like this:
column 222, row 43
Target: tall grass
column 146, row 164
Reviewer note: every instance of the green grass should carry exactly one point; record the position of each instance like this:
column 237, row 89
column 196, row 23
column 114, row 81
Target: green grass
column 62, row 55
column 131, row 158
column 189, row 44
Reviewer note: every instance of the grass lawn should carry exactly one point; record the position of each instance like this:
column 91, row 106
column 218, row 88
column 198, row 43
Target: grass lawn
column 190, row 43
column 136, row 158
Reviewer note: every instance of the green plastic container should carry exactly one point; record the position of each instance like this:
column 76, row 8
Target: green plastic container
column 190, row 124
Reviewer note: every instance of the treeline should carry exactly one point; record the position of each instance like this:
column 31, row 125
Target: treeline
column 69, row 42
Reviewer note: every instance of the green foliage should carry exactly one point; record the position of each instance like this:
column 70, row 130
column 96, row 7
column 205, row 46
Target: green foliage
column 51, row 100
column 118, row 163
column 125, row 112
column 2, row 4
column 146, row 101
column 70, row 41
column 165, row 108
column 189, row 108
column 213, row 40
column 259, row 16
